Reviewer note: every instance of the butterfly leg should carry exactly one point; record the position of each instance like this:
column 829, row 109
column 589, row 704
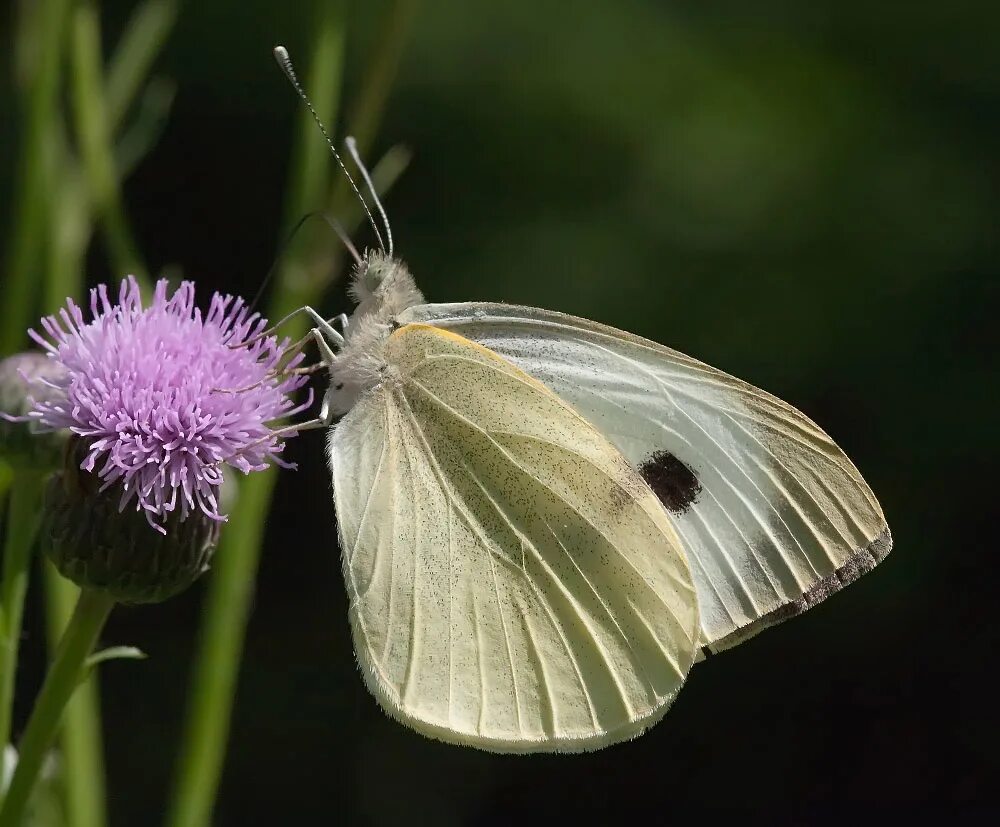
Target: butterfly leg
column 325, row 325
column 326, row 415
column 327, row 358
column 322, row 334
column 325, row 419
column 326, row 354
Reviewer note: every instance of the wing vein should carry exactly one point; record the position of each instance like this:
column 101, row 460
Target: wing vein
column 415, row 624
column 819, row 506
column 539, row 596
column 496, row 588
column 361, row 526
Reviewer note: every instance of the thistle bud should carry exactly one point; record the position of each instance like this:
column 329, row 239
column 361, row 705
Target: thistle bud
column 96, row 545
column 26, row 443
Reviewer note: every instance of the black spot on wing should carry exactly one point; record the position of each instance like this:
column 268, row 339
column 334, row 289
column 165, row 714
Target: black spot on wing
column 671, row 480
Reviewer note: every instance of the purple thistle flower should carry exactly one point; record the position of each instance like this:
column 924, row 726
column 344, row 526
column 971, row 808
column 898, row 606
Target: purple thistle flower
column 163, row 396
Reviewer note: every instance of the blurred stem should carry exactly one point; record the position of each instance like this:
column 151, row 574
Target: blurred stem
column 71, row 215
column 82, row 746
column 23, row 512
column 94, row 135
column 221, row 644
column 69, row 233
column 92, row 610
column 230, row 587
column 144, row 131
column 140, row 44
column 6, row 478
column 366, row 114
column 32, row 187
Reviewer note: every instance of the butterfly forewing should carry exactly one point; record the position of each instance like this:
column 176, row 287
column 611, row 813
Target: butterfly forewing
column 514, row 583
column 771, row 513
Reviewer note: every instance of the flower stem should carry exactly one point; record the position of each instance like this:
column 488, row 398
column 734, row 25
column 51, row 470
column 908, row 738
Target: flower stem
column 94, row 135
column 141, row 43
column 92, row 610
column 22, row 525
column 80, row 738
column 47, row 21
column 366, row 113
column 212, row 688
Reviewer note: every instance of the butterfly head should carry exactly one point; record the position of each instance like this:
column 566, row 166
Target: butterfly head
column 383, row 285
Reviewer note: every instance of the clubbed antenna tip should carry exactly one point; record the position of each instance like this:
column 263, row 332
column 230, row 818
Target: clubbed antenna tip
column 284, row 61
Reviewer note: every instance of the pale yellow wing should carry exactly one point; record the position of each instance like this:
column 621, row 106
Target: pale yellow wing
column 514, row 583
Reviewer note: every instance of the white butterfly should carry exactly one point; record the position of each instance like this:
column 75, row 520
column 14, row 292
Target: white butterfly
column 545, row 521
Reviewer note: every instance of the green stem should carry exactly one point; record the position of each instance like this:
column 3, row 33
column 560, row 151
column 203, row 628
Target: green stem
column 70, row 229
column 64, row 675
column 32, row 187
column 378, row 79
column 70, row 215
column 82, row 745
column 22, row 525
column 140, row 45
column 94, row 135
column 6, row 479
column 212, row 688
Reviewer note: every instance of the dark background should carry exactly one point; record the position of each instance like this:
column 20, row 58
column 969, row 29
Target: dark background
column 803, row 194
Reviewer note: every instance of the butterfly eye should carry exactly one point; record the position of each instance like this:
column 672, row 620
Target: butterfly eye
column 373, row 278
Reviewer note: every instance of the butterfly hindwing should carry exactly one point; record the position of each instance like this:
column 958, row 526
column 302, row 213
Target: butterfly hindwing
column 514, row 584
column 771, row 513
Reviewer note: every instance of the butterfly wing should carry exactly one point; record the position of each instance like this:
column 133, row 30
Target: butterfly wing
column 772, row 514
column 514, row 585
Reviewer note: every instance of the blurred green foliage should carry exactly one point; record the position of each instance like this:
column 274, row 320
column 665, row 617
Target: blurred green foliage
column 805, row 195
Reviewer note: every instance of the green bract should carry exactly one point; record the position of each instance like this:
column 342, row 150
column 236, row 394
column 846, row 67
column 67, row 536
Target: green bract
column 97, row 546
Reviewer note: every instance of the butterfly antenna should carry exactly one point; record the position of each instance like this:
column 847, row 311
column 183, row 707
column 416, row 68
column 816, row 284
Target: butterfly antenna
column 335, row 225
column 277, row 260
column 285, row 62
column 352, row 148
column 338, row 228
